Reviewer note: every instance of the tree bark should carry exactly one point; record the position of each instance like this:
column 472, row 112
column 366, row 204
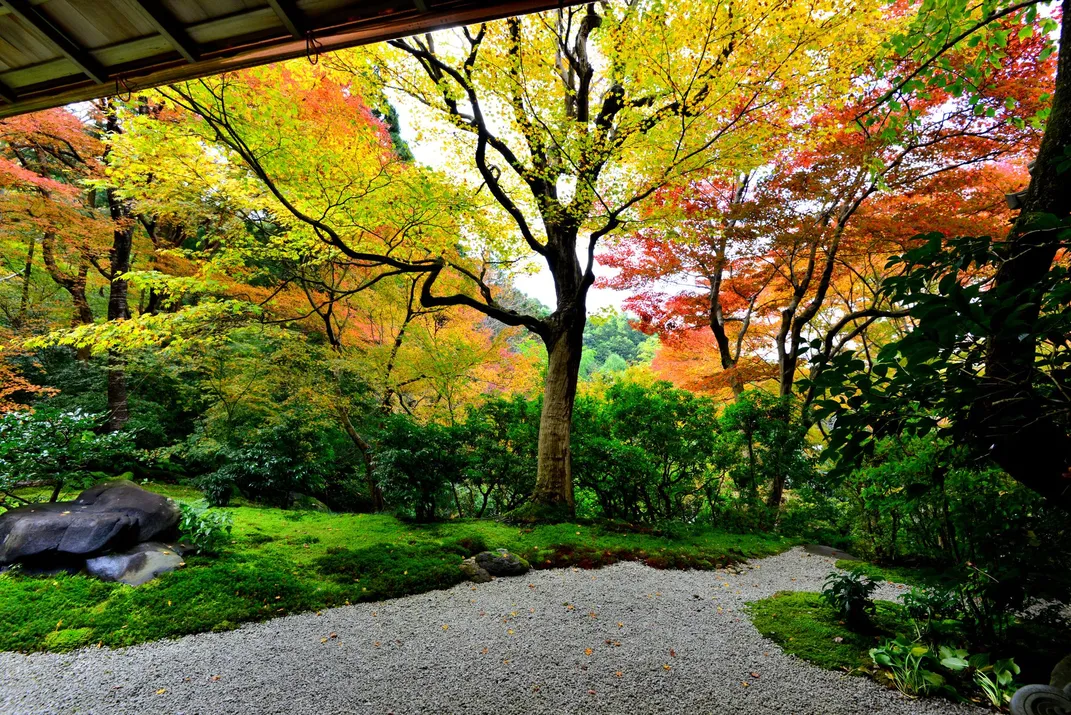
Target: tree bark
column 27, row 274
column 1021, row 437
column 118, row 308
column 554, row 476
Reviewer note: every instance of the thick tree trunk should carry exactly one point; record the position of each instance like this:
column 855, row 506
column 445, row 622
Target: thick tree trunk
column 1022, row 438
column 27, row 274
column 118, row 309
column 554, row 479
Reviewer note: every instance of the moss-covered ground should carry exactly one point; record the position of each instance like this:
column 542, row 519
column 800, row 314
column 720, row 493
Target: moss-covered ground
column 281, row 562
column 803, row 625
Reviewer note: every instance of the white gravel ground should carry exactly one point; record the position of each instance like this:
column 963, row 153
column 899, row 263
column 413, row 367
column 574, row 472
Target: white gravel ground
column 675, row 642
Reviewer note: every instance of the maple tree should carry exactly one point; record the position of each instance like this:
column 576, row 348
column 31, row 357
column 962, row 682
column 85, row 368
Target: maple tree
column 999, row 353
column 768, row 262
column 573, row 119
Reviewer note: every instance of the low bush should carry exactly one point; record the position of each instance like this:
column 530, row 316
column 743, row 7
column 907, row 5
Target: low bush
column 206, row 530
column 849, row 594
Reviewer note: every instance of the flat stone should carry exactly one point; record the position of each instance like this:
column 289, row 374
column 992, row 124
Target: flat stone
column 139, row 565
column 502, row 563
column 112, row 516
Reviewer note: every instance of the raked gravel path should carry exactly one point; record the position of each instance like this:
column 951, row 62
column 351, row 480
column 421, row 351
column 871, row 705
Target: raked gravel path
column 509, row 646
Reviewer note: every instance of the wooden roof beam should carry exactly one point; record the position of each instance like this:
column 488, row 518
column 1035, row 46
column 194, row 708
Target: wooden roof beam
column 287, row 12
column 169, row 28
column 7, row 95
column 55, row 37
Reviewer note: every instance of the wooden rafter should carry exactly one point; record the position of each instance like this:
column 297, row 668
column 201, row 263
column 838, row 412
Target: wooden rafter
column 57, row 39
column 170, row 29
column 131, row 60
column 289, row 15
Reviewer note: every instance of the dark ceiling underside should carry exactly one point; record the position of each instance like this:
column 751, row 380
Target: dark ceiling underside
column 54, row 52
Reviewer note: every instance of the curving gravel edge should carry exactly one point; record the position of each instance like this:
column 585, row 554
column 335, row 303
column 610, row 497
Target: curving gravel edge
column 623, row 639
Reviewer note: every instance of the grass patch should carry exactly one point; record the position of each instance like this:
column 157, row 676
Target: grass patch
column 277, row 564
column 924, row 576
column 803, row 625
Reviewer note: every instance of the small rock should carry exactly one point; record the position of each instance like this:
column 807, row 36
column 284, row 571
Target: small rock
column 502, row 563
column 473, row 571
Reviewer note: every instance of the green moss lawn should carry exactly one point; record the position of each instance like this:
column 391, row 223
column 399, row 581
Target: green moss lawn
column 282, row 562
column 803, row 625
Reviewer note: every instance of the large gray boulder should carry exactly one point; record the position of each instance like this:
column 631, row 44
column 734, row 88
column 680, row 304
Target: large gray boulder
column 139, row 565
column 113, row 516
column 502, row 563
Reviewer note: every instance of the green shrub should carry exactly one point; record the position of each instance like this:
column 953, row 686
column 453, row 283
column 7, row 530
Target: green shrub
column 415, row 465
column 207, row 530
column 911, row 666
column 849, row 594
column 57, row 447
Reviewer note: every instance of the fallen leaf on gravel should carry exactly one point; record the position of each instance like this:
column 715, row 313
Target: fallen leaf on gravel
column 592, row 692
column 588, row 651
column 446, row 627
column 484, row 651
column 619, row 674
column 531, row 585
column 509, row 632
column 672, row 653
column 745, row 684
column 323, row 640
column 376, row 644
column 754, row 675
column 216, row 677
column 161, row 691
column 332, row 634
column 570, row 607
column 666, row 667
column 620, row 624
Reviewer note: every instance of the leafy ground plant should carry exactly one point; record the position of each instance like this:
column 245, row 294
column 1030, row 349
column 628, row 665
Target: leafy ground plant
column 849, row 594
column 912, row 666
column 206, row 530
